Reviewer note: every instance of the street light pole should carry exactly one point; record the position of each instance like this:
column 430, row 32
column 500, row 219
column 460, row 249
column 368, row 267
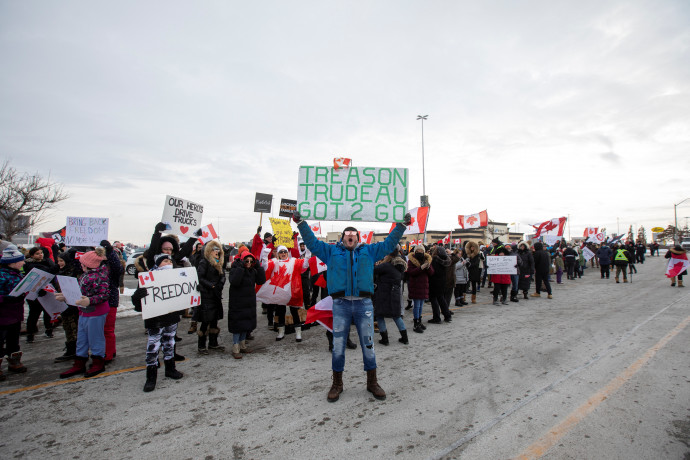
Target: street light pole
column 675, row 220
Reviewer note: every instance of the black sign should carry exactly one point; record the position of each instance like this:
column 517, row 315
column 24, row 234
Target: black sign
column 262, row 202
column 287, row 207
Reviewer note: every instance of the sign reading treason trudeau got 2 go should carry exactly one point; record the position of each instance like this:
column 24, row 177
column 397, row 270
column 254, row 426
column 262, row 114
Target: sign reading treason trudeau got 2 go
column 358, row 194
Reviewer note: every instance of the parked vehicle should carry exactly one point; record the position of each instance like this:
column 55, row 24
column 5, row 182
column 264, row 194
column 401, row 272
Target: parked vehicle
column 130, row 269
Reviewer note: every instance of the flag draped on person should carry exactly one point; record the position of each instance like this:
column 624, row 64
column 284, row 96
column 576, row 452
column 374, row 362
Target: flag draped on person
column 554, row 227
column 677, row 264
column 476, row 220
column 283, row 284
column 419, row 218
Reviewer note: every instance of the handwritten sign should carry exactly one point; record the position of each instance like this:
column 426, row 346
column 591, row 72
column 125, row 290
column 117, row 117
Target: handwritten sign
column 169, row 290
column 33, row 282
column 86, row 231
column 183, row 216
column 263, row 202
column 69, row 287
column 587, row 253
column 287, row 207
column 282, row 231
column 355, row 194
column 501, row 265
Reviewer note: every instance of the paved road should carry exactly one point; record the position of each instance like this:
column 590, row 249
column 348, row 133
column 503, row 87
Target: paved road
column 600, row 371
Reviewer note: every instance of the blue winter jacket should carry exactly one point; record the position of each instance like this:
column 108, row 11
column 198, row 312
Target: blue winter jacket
column 605, row 254
column 350, row 273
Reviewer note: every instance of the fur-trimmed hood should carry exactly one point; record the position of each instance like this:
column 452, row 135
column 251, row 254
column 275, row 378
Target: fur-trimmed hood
column 398, row 262
column 172, row 239
column 208, row 255
column 415, row 262
column 472, row 249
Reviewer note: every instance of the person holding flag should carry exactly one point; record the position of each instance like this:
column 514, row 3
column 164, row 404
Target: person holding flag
column 677, row 264
column 351, row 285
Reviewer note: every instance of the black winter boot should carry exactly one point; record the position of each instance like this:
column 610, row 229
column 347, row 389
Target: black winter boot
column 70, row 353
column 384, row 338
column 170, row 370
column 151, row 376
column 202, row 343
column 403, row 337
column 350, row 344
column 513, row 296
column 329, row 336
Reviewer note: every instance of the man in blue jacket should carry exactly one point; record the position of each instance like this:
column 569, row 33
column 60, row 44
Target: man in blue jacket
column 351, row 285
column 604, row 253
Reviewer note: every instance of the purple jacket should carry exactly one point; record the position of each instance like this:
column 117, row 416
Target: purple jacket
column 418, row 279
column 11, row 308
column 94, row 285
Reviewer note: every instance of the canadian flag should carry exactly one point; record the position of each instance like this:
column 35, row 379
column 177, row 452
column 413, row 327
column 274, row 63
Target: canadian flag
column 446, row 240
column 419, row 217
column 677, row 264
column 77, row 255
column 589, row 231
column 208, row 233
column 339, row 163
column 480, row 219
column 322, row 313
column 283, row 284
column 195, row 300
column 316, row 228
column 552, row 227
column 366, row 237
column 316, row 266
column 145, row 279
column 457, row 241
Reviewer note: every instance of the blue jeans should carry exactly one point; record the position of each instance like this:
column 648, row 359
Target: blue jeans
column 237, row 338
column 344, row 313
column 417, row 310
column 513, row 283
column 90, row 335
column 397, row 320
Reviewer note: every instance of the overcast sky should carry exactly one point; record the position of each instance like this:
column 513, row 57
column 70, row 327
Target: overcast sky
column 537, row 109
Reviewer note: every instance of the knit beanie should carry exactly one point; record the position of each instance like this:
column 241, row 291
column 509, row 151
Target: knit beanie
column 11, row 255
column 93, row 259
column 161, row 257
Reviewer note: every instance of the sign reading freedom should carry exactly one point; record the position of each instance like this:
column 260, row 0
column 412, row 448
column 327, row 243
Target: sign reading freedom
column 359, row 194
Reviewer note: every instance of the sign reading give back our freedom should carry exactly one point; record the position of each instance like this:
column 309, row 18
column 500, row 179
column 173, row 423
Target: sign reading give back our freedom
column 366, row 194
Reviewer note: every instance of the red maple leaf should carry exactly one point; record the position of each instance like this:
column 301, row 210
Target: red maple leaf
column 471, row 220
column 550, row 226
column 412, row 221
column 280, row 279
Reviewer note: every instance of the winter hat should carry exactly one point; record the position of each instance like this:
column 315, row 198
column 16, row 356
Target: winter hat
column 11, row 255
column 93, row 259
column 441, row 252
column 496, row 240
column 282, row 248
column 161, row 257
column 267, row 235
column 419, row 248
column 246, row 254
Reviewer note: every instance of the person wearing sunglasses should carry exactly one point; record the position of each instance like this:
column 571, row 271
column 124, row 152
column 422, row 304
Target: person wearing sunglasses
column 243, row 276
column 351, row 285
column 211, row 273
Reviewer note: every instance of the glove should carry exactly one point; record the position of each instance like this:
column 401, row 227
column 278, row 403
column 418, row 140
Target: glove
column 296, row 217
column 41, row 292
column 198, row 233
column 425, row 265
column 258, row 230
column 160, row 227
column 294, row 234
column 105, row 244
column 408, row 219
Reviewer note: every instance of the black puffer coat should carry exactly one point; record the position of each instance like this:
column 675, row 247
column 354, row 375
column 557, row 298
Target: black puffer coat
column 441, row 263
column 211, row 281
column 242, row 296
column 526, row 268
column 475, row 267
column 388, row 295
column 542, row 260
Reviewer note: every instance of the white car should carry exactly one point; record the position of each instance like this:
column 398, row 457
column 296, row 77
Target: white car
column 130, row 269
column 685, row 244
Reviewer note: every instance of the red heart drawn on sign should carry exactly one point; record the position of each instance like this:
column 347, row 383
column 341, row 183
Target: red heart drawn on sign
column 205, row 234
column 184, row 229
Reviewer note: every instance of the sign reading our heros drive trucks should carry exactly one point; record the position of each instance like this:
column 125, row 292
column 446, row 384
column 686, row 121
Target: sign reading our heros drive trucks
column 357, row 194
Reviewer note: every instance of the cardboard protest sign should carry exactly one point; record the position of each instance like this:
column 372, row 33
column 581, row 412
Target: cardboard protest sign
column 86, row 231
column 501, row 265
column 168, row 291
column 287, row 207
column 263, row 202
column 587, row 253
column 355, row 194
column 208, row 233
column 550, row 240
column 282, row 231
column 183, row 216
column 52, row 306
column 69, row 287
column 33, row 282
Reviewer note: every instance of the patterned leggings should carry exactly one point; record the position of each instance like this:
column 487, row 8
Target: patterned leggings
column 158, row 336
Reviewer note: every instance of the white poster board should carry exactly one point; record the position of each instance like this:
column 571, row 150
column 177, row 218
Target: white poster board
column 550, row 240
column 501, row 265
column 86, row 231
column 183, row 216
column 69, row 286
column 353, row 194
column 52, row 306
column 33, row 282
column 168, row 291
column 587, row 253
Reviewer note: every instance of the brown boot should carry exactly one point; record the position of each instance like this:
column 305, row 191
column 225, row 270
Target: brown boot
column 336, row 387
column 673, row 281
column 474, row 298
column 373, row 386
column 680, row 283
column 15, row 363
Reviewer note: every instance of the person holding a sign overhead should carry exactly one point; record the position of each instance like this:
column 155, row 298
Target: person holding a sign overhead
column 351, row 285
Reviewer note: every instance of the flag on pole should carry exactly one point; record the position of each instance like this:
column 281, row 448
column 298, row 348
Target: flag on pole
column 476, row 220
column 552, row 227
column 446, row 240
column 419, row 218
column 316, row 228
column 366, row 237
column 457, row 241
column 340, row 163
column 208, row 233
column 589, row 231
column 677, row 264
